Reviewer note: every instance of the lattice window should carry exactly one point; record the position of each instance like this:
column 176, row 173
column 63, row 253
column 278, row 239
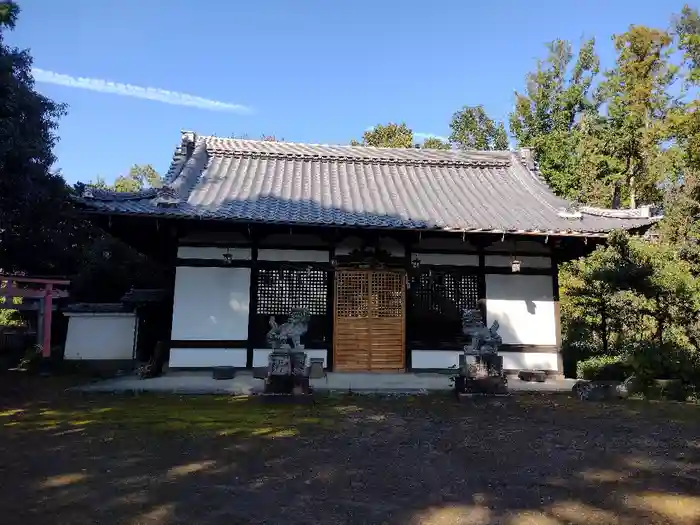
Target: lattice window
column 387, row 294
column 280, row 291
column 437, row 299
column 352, row 289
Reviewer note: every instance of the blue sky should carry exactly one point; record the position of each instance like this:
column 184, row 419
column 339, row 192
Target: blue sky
column 311, row 70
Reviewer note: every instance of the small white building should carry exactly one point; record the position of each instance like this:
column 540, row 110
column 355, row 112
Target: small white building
column 384, row 247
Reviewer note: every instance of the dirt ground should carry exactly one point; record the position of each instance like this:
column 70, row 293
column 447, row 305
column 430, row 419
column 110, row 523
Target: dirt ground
column 530, row 459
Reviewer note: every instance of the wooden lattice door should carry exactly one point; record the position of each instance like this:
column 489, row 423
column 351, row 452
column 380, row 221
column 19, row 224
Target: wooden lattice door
column 369, row 331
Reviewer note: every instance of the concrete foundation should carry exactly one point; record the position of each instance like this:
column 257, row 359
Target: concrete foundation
column 245, row 384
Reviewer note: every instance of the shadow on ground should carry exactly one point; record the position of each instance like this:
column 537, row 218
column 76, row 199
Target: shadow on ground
column 72, row 459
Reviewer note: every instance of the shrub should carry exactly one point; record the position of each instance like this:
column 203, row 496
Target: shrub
column 651, row 361
column 603, row 368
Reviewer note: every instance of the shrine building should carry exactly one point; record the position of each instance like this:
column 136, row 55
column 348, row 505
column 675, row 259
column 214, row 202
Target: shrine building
column 385, row 248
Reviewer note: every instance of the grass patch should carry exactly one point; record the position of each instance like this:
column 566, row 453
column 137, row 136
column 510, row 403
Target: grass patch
column 219, row 415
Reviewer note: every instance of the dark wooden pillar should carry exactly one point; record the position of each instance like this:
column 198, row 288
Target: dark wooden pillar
column 557, row 313
column 481, row 282
column 252, row 300
column 330, row 306
column 407, row 309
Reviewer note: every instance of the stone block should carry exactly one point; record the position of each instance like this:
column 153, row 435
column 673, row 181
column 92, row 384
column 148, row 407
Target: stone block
column 532, row 376
column 223, row 372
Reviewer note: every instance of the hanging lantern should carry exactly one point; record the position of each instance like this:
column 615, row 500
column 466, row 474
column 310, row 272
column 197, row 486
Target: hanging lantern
column 515, row 265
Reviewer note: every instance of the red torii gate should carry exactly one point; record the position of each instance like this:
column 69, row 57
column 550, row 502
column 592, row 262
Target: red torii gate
column 43, row 290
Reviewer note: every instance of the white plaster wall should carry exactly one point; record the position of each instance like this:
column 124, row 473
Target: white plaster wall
column 501, row 261
column 511, row 360
column 211, row 303
column 523, row 305
column 434, row 358
column 260, row 355
column 212, row 252
column 100, row 336
column 207, row 357
column 269, row 254
column 530, row 361
column 447, row 259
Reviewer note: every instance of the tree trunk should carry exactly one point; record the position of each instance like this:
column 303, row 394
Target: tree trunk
column 633, row 193
column 617, row 197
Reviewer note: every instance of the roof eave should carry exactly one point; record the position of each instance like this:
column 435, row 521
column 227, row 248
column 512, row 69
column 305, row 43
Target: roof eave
column 89, row 210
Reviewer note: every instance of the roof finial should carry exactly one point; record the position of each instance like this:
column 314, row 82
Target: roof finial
column 528, row 158
column 187, row 140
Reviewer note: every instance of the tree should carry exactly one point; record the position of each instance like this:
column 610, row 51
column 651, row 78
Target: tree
column 473, row 129
column 140, row 177
column 681, row 226
column 387, row 136
column 546, row 116
column 633, row 298
column 32, row 197
column 435, row 143
column 637, row 100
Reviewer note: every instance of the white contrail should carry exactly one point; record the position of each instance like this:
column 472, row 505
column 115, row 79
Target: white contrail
column 129, row 90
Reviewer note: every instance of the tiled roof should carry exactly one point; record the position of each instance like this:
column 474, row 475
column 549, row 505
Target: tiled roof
column 305, row 184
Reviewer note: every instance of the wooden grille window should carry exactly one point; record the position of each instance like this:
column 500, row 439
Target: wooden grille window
column 352, row 290
column 280, row 291
column 387, row 295
column 437, row 299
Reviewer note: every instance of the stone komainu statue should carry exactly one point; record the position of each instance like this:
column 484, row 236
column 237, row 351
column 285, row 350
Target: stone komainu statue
column 484, row 340
column 297, row 324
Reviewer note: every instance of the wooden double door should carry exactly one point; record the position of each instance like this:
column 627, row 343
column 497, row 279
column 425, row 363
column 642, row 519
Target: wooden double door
column 369, row 326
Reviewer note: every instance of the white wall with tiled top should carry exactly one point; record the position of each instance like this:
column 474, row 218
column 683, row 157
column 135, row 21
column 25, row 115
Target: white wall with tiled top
column 100, row 336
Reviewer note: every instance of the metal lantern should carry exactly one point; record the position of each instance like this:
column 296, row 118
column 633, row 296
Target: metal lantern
column 515, row 265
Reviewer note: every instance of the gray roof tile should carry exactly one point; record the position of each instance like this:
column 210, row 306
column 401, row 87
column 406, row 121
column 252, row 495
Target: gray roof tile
column 288, row 183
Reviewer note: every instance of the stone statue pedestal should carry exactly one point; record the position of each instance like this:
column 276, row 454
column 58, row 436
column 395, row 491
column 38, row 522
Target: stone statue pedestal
column 286, row 373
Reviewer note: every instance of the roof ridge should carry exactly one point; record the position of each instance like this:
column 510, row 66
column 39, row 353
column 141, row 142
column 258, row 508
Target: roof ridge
column 367, row 154
column 572, row 210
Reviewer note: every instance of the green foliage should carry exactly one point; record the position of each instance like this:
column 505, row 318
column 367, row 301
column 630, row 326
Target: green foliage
column 637, row 101
column 140, row 177
column 32, row 198
column 548, row 115
column 637, row 299
column 603, row 368
column 687, row 29
column 435, row 143
column 10, row 318
column 40, row 233
column 473, row 129
column 387, row 136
